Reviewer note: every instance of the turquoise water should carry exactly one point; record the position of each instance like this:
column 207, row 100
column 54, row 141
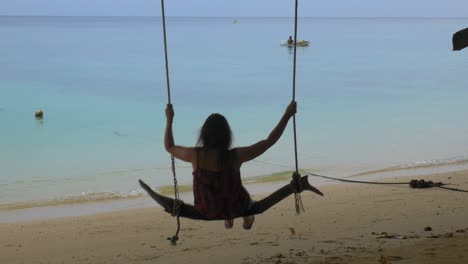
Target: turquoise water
column 372, row 94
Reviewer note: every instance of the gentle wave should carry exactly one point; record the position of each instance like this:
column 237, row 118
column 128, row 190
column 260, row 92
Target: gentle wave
column 46, row 180
column 90, row 178
column 426, row 164
column 106, row 196
column 83, row 198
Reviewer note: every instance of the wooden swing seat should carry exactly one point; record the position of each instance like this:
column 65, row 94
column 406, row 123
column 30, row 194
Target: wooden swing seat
column 257, row 207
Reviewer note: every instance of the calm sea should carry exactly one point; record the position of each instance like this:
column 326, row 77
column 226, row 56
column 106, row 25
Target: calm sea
column 373, row 94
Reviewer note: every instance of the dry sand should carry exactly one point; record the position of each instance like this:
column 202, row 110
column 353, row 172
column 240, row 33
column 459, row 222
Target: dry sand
column 353, row 223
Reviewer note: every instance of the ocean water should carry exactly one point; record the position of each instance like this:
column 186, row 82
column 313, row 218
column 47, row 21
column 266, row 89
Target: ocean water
column 373, row 95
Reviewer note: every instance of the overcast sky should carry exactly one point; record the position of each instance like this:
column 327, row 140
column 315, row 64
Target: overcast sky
column 324, row 8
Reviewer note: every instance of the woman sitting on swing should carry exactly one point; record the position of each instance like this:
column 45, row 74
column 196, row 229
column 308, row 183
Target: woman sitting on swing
column 217, row 185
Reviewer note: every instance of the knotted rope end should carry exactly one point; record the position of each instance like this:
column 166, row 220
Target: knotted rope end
column 297, row 188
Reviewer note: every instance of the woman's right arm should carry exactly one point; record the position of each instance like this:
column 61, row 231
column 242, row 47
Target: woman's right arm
column 187, row 154
column 251, row 152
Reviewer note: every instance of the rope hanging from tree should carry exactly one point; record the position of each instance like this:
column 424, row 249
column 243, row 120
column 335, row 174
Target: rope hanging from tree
column 296, row 176
column 178, row 202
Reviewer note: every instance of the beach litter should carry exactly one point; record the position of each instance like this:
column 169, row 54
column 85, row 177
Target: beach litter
column 446, row 235
column 385, row 235
column 292, row 230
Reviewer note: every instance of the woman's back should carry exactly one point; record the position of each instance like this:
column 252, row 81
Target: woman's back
column 217, row 188
column 208, row 159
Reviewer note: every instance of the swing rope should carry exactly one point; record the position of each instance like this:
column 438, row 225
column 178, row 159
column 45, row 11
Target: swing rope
column 178, row 202
column 165, row 53
column 296, row 176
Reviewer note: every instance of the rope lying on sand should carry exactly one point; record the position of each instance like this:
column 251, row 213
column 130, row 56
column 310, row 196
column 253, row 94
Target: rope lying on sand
column 453, row 189
column 417, row 184
column 351, row 181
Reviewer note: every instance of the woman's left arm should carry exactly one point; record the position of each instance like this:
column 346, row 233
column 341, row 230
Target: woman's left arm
column 183, row 153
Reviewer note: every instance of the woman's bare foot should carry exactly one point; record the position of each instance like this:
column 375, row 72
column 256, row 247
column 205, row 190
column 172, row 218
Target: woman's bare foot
column 248, row 222
column 228, row 223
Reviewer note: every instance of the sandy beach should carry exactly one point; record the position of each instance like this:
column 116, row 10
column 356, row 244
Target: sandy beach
column 352, row 223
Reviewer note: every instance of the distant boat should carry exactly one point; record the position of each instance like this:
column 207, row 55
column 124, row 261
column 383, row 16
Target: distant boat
column 235, row 21
column 39, row 114
column 301, row 43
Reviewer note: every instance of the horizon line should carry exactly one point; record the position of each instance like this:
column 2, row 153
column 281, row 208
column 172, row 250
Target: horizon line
column 260, row 16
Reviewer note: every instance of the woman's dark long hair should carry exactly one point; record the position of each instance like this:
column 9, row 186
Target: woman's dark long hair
column 216, row 134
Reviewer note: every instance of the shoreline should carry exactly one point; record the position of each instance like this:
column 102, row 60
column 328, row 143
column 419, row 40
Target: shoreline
column 350, row 224
column 257, row 186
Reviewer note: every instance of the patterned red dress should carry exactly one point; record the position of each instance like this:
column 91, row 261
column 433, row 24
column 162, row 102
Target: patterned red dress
column 220, row 194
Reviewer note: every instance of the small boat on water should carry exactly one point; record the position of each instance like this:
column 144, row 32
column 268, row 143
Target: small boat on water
column 301, row 43
column 39, row 114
